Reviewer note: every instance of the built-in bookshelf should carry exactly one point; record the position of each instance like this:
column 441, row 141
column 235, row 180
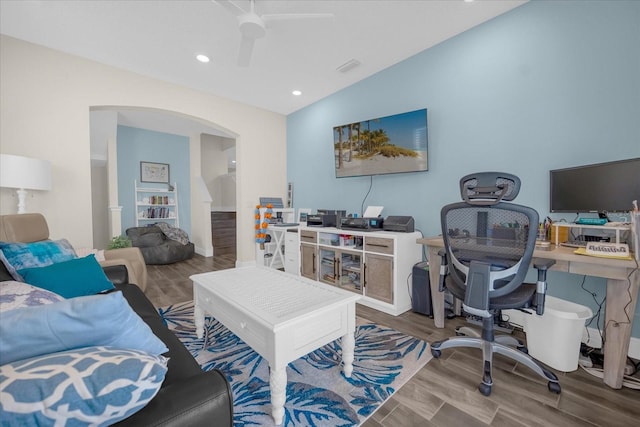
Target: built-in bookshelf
column 156, row 204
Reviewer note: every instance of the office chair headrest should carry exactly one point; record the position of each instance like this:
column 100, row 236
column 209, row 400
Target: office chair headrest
column 489, row 188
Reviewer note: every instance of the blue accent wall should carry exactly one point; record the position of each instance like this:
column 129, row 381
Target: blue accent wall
column 547, row 85
column 135, row 145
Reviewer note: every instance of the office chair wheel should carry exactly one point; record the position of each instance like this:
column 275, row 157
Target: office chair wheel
column 485, row 389
column 554, row 387
column 436, row 353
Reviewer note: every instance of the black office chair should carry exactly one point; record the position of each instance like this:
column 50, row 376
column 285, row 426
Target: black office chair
column 488, row 246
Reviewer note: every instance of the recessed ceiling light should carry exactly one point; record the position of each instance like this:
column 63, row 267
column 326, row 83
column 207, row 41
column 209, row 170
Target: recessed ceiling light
column 296, row 93
column 202, row 58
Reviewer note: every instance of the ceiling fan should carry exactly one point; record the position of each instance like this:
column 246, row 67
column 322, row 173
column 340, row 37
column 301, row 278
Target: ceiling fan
column 253, row 26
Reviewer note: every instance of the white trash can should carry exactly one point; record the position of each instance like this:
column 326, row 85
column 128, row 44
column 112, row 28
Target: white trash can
column 554, row 338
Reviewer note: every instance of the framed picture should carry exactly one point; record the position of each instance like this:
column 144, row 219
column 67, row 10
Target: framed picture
column 154, row 172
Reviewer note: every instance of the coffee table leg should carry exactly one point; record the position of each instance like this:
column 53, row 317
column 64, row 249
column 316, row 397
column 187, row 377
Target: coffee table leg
column 278, row 384
column 198, row 316
column 348, row 346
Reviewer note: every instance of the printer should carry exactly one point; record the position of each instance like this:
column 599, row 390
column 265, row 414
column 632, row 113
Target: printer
column 321, row 220
column 362, row 224
column 403, row 224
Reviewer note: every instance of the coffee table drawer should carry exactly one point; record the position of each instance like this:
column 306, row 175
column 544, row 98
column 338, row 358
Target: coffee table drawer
column 252, row 332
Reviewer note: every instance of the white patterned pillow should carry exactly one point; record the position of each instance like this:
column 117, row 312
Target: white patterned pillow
column 89, row 386
column 18, row 295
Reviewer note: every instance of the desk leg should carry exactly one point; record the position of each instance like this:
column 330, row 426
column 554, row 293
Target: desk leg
column 618, row 323
column 437, row 297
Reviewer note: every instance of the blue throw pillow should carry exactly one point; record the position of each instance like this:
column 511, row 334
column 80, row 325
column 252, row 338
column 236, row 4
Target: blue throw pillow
column 16, row 256
column 96, row 320
column 19, row 294
column 95, row 386
column 74, row 278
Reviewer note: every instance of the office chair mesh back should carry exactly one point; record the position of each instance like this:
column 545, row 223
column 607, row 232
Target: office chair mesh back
column 502, row 236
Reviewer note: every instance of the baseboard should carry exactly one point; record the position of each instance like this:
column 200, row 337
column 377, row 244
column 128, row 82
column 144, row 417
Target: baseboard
column 591, row 337
column 207, row 252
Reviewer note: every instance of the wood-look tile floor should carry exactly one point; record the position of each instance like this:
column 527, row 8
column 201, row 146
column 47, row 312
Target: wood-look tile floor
column 444, row 393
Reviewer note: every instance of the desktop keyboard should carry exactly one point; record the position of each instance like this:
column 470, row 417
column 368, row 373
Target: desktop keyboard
column 583, row 240
column 574, row 244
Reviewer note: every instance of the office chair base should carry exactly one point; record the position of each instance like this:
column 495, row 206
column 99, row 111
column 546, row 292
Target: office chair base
column 508, row 340
column 488, row 348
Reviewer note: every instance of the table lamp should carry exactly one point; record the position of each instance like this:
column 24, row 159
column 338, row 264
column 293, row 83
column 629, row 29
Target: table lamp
column 24, row 173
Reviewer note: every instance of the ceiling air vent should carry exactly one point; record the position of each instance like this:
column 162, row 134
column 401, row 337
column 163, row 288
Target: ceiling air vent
column 348, row 66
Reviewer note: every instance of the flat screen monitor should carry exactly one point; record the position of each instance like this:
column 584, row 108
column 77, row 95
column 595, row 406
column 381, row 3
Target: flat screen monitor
column 602, row 187
column 381, row 145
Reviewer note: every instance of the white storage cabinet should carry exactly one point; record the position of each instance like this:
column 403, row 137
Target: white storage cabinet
column 376, row 265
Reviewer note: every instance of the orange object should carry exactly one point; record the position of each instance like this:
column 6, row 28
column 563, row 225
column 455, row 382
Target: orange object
column 563, row 234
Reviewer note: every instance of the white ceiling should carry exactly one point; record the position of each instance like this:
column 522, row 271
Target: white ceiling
column 161, row 38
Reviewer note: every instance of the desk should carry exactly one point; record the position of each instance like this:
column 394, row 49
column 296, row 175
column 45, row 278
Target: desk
column 623, row 281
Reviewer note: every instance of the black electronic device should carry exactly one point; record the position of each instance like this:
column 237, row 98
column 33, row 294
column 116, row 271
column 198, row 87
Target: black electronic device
column 326, row 211
column 321, row 220
column 362, row 224
column 420, row 289
column 376, row 223
column 602, row 187
column 403, row 224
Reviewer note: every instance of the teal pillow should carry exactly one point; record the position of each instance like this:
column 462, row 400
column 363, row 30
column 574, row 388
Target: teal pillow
column 17, row 256
column 94, row 320
column 95, row 386
column 69, row 279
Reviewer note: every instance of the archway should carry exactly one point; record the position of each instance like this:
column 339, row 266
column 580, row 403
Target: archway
column 106, row 203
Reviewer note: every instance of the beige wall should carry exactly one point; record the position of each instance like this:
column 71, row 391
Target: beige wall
column 45, row 97
column 215, row 172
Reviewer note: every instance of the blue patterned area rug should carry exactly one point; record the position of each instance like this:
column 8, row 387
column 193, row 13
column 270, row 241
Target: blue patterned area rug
column 318, row 394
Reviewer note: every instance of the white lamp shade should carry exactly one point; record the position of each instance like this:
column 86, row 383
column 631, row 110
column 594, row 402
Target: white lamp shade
column 24, row 173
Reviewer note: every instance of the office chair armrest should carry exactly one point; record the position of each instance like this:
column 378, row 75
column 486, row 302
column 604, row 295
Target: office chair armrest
column 444, row 266
column 542, row 265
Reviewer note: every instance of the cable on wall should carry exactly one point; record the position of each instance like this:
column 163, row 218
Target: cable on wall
column 365, row 197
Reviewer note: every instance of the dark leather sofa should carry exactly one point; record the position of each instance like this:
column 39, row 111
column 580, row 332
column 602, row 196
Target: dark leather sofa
column 188, row 396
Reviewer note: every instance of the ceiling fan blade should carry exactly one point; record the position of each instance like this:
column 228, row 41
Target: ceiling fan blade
column 246, row 47
column 230, row 6
column 291, row 16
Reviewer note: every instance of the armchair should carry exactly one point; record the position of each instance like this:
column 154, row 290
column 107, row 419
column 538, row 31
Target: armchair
column 27, row 228
column 489, row 246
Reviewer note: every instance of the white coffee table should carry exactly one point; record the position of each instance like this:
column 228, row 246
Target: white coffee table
column 281, row 316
